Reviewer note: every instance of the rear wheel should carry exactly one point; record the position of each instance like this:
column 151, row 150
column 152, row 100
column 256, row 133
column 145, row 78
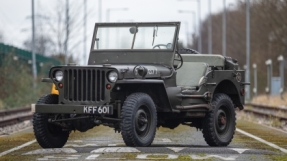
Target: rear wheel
column 47, row 134
column 139, row 120
column 219, row 124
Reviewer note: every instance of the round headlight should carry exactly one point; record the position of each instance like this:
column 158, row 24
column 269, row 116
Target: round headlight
column 59, row 76
column 113, row 76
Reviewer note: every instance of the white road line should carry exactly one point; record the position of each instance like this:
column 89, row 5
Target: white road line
column 233, row 157
column 17, row 148
column 93, row 157
column 157, row 156
column 175, row 149
column 116, row 150
column 52, row 151
column 112, row 144
column 166, row 140
column 261, row 140
column 70, row 157
column 240, row 151
column 79, row 146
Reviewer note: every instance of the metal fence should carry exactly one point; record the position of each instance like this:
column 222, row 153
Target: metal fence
column 26, row 56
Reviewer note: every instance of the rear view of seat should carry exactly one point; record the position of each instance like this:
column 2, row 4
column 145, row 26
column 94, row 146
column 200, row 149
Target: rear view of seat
column 190, row 74
column 211, row 60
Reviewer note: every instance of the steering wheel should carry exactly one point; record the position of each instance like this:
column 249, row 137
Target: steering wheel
column 159, row 45
column 177, row 57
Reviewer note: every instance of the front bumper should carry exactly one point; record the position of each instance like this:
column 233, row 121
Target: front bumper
column 72, row 109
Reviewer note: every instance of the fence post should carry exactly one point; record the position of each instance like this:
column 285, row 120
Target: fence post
column 255, row 80
column 281, row 69
column 269, row 76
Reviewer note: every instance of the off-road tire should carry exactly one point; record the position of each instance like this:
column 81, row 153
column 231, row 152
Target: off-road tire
column 48, row 135
column 135, row 132
column 215, row 132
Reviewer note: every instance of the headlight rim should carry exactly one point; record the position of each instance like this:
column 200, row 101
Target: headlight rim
column 55, row 75
column 108, row 76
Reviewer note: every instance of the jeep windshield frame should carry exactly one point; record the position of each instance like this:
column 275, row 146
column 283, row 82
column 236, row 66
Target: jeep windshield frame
column 110, row 36
column 146, row 43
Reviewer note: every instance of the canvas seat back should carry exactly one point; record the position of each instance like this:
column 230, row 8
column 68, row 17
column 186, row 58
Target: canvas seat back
column 190, row 74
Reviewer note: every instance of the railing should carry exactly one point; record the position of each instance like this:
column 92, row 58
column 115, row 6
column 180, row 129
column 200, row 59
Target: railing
column 267, row 111
column 10, row 117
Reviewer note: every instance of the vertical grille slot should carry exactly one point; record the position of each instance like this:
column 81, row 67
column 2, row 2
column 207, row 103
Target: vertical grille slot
column 66, row 80
column 103, row 86
column 70, row 85
column 89, row 85
column 98, row 85
column 82, row 85
column 75, row 84
column 94, row 86
column 79, row 83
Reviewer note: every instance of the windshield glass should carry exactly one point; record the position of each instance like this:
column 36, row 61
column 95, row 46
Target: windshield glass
column 132, row 37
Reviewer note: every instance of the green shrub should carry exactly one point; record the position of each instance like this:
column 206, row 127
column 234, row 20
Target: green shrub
column 16, row 83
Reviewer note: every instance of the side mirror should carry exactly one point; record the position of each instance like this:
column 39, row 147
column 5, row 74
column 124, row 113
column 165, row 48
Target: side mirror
column 133, row 30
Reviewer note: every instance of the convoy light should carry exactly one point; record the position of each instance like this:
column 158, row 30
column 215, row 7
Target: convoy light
column 113, row 76
column 60, row 85
column 242, row 91
column 59, row 75
column 108, row 86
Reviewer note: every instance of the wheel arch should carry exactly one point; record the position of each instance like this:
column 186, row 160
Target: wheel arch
column 156, row 90
column 228, row 87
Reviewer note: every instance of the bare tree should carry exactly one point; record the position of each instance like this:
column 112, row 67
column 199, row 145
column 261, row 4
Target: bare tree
column 43, row 45
column 52, row 27
column 268, row 34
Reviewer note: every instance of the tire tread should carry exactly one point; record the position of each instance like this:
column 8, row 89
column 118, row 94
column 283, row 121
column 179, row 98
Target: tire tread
column 208, row 122
column 40, row 126
column 127, row 117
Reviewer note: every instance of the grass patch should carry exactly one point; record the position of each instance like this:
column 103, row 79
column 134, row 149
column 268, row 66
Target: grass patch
column 157, row 156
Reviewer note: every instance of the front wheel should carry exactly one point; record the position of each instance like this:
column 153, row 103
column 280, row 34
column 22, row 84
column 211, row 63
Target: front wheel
column 139, row 120
column 47, row 134
column 219, row 123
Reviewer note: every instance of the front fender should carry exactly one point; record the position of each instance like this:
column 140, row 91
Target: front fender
column 154, row 88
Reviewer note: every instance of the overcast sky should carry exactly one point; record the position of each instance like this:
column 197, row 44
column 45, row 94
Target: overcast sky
column 15, row 23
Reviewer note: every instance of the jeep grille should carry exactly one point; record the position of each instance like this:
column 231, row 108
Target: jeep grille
column 84, row 85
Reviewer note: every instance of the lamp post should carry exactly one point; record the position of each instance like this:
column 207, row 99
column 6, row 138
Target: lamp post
column 199, row 45
column 247, row 77
column 67, row 33
column 255, row 80
column 34, row 68
column 224, row 29
column 209, row 29
column 281, row 69
column 194, row 15
column 199, row 26
column 100, row 11
column 269, row 76
column 186, row 32
column 85, row 32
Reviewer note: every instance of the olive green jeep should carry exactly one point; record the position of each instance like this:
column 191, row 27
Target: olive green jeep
column 137, row 80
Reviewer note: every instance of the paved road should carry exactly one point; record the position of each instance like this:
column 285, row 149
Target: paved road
column 183, row 143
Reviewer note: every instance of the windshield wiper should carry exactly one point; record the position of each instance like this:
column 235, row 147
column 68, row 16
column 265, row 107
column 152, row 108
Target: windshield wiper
column 135, row 32
column 154, row 34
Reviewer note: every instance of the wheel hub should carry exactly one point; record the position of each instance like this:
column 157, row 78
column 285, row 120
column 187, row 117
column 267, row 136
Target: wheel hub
column 221, row 122
column 141, row 122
